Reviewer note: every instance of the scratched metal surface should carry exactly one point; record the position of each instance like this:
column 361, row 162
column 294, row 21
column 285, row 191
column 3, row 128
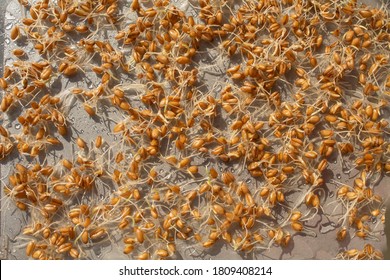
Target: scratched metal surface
column 321, row 245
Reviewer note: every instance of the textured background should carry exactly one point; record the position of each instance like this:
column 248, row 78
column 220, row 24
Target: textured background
column 323, row 246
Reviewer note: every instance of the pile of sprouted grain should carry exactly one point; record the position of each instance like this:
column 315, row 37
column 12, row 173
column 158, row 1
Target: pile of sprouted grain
column 304, row 82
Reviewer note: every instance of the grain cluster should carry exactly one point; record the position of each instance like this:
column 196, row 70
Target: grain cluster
column 246, row 156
